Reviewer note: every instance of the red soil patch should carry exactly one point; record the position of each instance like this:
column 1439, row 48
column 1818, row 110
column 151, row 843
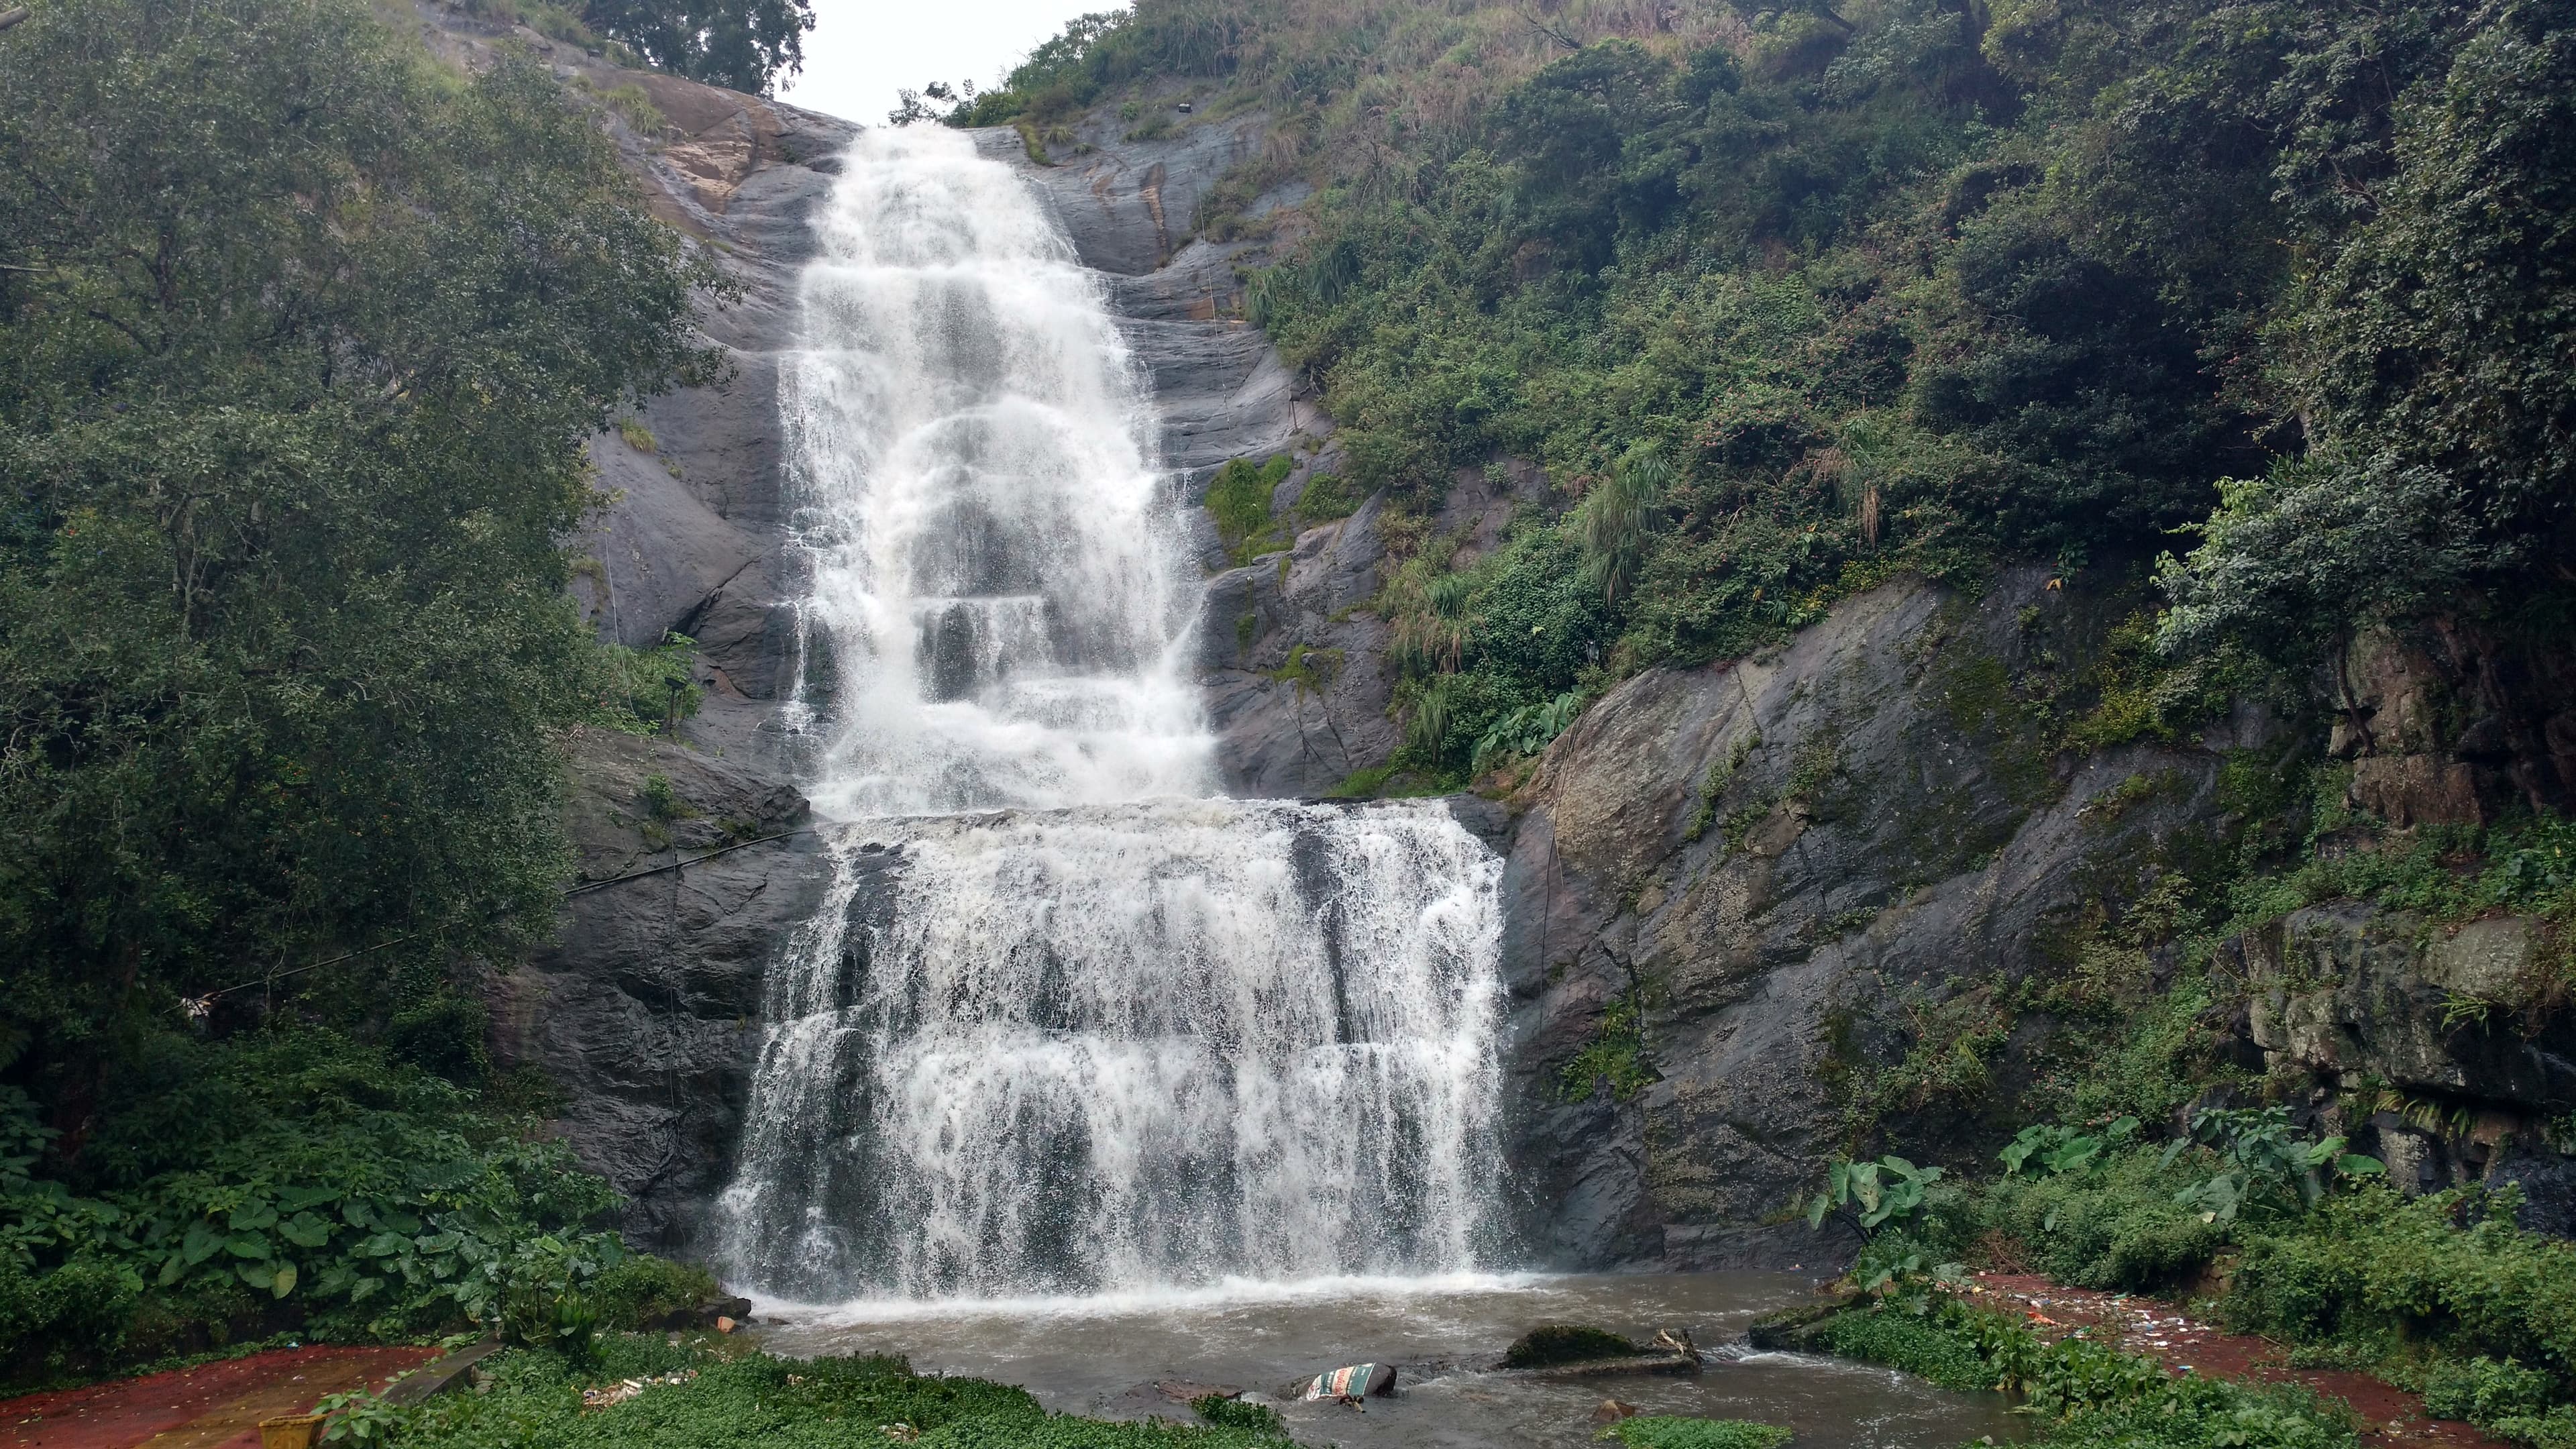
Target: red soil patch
column 214, row 1404
column 2160, row 1331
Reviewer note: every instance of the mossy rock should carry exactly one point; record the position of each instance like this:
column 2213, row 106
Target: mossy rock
column 1557, row 1343
column 1794, row 1330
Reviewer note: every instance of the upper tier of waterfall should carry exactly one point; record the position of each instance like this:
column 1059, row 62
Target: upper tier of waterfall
column 998, row 613
column 1109, row 1032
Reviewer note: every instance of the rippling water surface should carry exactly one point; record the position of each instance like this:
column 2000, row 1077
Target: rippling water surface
column 1103, row 1355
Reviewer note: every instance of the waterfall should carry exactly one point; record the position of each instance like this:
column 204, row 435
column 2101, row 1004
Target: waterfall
column 1065, row 1021
column 997, row 578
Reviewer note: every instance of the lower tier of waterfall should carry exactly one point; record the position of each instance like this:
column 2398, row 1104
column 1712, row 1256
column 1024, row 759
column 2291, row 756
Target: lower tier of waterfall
column 1046, row 1052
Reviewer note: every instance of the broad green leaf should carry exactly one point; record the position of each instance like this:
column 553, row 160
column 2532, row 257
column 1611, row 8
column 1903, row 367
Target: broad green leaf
column 250, row 1245
column 305, row 1230
column 284, row 1282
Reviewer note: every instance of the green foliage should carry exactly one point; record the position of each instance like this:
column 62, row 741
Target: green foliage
column 1927, row 287
column 1526, row 731
column 1325, row 497
column 358, row 1416
column 643, row 1291
column 2108, row 1221
column 1615, row 1057
column 291, row 1177
column 1873, row 1195
column 1232, row 1413
column 1660, row 1431
column 649, row 691
column 2526, row 865
column 2052, row 1149
column 742, row 45
column 2264, row 1163
column 711, row 1398
column 1556, row 1343
column 1238, row 498
column 1911, row 1343
column 1613, row 519
column 2428, row 355
column 2484, row 1391
column 305, row 340
column 2085, row 1393
column 2448, row 1269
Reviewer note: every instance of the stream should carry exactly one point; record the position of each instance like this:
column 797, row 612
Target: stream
column 1103, row 1355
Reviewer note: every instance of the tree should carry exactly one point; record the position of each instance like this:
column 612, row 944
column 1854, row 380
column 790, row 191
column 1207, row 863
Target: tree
column 743, row 45
column 302, row 344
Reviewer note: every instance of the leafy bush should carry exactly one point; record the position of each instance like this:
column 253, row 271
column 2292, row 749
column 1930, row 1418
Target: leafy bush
column 292, row 1177
column 2108, row 1224
column 643, row 1291
column 74, row 1317
column 1235, row 1413
column 1566, row 1343
column 2484, row 1391
column 1890, row 1191
column 1238, row 499
column 2449, row 1269
column 1912, row 1343
column 646, row 691
column 1653, row 1431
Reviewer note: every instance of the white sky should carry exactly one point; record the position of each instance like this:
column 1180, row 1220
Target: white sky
column 861, row 51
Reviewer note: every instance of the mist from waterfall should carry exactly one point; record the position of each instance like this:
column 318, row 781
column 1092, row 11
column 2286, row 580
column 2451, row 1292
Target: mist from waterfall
column 1067, row 1021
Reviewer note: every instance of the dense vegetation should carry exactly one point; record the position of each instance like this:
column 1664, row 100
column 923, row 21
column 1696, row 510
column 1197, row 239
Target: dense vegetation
column 303, row 335
column 2299, row 1240
column 1785, row 297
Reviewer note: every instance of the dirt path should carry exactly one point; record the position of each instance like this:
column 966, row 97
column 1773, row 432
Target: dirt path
column 2159, row 1330
column 211, row 1406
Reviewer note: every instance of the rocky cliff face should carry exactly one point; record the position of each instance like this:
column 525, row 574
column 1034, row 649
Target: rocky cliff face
column 1738, row 880
column 1735, row 893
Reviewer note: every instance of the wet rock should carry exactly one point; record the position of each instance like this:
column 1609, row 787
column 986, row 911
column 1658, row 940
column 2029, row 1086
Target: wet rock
column 644, row 1010
column 1556, row 1343
column 2346, row 992
column 1781, row 852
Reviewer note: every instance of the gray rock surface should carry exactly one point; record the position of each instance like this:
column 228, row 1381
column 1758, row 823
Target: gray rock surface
column 1780, row 857
column 645, row 1012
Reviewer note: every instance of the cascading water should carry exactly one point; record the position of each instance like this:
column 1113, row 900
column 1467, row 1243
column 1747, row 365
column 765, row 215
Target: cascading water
column 1111, row 1032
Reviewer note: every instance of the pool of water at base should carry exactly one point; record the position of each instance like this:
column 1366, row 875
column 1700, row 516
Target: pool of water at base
column 1104, row 1355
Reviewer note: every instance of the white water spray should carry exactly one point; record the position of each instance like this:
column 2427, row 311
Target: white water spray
column 1113, row 1035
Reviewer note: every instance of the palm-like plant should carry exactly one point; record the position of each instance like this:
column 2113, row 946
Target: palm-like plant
column 1615, row 519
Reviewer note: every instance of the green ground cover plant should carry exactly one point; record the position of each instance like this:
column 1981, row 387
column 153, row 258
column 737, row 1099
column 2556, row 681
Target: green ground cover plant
column 1663, row 1431
column 294, row 1180
column 2082, row 1392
